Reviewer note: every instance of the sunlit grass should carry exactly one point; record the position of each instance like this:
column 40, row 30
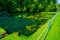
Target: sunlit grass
column 2, row 31
column 54, row 33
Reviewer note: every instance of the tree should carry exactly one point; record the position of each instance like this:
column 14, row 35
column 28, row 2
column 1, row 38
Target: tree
column 28, row 6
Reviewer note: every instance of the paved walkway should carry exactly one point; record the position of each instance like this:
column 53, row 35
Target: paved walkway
column 54, row 33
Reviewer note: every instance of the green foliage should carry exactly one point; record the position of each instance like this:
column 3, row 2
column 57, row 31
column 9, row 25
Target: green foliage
column 9, row 5
column 50, row 7
column 29, row 6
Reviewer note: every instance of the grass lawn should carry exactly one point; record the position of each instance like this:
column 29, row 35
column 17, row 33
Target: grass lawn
column 54, row 33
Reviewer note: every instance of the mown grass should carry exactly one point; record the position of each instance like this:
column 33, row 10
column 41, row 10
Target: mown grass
column 54, row 33
column 11, row 37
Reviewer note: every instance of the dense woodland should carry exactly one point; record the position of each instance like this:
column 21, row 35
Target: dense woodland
column 28, row 6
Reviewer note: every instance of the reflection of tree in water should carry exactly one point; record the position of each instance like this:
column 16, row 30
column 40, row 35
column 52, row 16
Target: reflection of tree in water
column 13, row 24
